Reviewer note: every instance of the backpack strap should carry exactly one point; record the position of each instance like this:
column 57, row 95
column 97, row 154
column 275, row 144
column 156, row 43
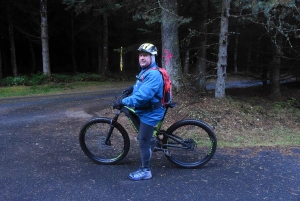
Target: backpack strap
column 142, row 76
column 152, row 106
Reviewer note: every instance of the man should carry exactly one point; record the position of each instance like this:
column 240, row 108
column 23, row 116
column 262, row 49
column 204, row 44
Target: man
column 146, row 99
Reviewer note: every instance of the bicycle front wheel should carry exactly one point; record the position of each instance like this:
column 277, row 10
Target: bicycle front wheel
column 190, row 143
column 93, row 142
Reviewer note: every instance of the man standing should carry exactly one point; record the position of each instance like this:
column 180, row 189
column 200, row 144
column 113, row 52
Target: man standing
column 146, row 99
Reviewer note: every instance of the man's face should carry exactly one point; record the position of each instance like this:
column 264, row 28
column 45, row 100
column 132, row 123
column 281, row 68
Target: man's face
column 144, row 59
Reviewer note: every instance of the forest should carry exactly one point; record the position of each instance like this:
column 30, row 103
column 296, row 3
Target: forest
column 207, row 38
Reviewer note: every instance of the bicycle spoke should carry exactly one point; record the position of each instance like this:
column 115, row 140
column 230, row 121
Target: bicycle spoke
column 190, row 143
column 94, row 142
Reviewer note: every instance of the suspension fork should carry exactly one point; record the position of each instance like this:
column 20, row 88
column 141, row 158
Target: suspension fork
column 111, row 128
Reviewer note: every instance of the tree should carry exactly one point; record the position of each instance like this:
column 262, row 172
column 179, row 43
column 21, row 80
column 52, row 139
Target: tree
column 104, row 8
column 236, row 44
column 280, row 20
column 201, row 59
column 281, row 27
column 27, row 22
column 222, row 56
column 45, row 38
column 12, row 40
column 73, row 41
column 170, row 42
column 87, row 33
column 105, row 45
column 1, row 66
column 164, row 12
column 275, row 69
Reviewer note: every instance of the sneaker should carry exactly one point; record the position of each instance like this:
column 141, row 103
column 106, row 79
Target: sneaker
column 140, row 174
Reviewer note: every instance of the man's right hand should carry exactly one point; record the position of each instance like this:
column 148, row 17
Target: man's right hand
column 118, row 104
column 128, row 90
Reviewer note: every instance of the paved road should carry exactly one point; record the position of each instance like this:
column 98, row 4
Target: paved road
column 235, row 84
column 41, row 160
column 243, row 83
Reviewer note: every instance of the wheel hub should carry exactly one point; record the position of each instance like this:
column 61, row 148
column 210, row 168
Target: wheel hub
column 191, row 144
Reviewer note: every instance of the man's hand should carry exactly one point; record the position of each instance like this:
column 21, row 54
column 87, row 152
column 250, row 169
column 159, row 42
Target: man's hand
column 128, row 91
column 118, row 104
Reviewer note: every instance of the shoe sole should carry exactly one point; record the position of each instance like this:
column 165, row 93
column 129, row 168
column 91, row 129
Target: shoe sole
column 146, row 178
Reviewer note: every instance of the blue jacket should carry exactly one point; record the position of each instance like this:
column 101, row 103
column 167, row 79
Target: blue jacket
column 147, row 91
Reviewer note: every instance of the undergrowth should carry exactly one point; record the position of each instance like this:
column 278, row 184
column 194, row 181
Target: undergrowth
column 40, row 79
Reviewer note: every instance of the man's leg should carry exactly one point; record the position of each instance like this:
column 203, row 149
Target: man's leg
column 145, row 135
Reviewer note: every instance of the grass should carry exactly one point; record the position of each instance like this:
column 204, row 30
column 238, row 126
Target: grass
column 246, row 117
column 56, row 88
column 257, row 137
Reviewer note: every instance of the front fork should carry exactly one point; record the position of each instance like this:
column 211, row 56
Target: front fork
column 111, row 128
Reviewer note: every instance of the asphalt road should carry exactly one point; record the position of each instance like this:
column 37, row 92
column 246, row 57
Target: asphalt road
column 41, row 160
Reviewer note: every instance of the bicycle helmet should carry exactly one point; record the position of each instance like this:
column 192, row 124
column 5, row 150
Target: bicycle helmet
column 149, row 48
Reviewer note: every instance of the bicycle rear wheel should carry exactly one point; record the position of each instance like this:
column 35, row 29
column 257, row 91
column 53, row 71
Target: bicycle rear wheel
column 190, row 143
column 92, row 141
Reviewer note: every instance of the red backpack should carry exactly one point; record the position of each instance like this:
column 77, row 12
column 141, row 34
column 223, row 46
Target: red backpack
column 167, row 92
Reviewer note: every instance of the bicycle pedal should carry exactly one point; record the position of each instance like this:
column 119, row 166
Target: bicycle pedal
column 166, row 152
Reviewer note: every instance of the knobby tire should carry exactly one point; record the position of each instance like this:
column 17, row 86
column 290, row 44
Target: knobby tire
column 92, row 141
column 199, row 146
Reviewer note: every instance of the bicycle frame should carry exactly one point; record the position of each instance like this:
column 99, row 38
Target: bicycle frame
column 134, row 119
column 135, row 122
column 130, row 113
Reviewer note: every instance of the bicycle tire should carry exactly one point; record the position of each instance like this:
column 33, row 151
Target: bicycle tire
column 92, row 136
column 197, row 135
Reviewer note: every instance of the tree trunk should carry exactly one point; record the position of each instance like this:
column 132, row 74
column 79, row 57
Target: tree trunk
column 275, row 77
column 73, row 42
column 94, row 58
column 105, row 45
column 12, row 41
column 222, row 56
column 170, row 43
column 201, row 59
column 249, row 53
column 275, row 69
column 1, row 66
column 186, row 62
column 236, row 45
column 100, row 58
column 44, row 38
column 33, row 58
column 264, row 74
column 85, row 61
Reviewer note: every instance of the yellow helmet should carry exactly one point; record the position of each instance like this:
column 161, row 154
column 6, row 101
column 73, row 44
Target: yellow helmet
column 148, row 47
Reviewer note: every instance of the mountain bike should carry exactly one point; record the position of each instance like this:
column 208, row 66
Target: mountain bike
column 188, row 143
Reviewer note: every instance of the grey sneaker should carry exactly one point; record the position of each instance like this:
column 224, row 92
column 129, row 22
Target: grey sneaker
column 140, row 174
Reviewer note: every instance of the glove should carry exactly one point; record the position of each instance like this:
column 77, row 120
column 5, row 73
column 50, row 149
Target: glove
column 128, row 90
column 118, row 104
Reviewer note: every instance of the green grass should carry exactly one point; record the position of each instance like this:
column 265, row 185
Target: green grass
column 56, row 88
column 255, row 138
column 16, row 91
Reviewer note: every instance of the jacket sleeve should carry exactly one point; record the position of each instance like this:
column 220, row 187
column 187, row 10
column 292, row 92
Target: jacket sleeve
column 146, row 91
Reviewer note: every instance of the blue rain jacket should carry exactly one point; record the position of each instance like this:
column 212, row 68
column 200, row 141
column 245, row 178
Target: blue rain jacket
column 147, row 91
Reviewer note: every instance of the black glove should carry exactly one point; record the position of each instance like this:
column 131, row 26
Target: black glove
column 128, row 90
column 118, row 104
